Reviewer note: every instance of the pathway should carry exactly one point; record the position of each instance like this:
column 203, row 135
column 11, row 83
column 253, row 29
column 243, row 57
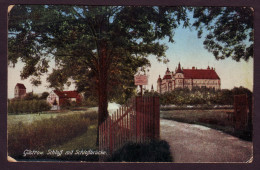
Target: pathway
column 195, row 143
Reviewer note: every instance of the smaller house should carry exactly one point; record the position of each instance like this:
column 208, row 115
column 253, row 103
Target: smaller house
column 19, row 90
column 58, row 98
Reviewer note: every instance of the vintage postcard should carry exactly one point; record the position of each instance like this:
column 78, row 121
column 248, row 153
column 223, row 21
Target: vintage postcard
column 130, row 84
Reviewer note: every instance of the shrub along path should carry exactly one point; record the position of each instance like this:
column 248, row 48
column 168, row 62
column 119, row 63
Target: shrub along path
column 195, row 143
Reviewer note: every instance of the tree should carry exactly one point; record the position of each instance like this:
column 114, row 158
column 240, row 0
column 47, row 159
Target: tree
column 229, row 31
column 101, row 47
column 99, row 43
column 44, row 95
column 30, row 96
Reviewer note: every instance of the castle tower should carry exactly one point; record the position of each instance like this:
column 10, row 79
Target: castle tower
column 179, row 70
column 167, row 72
column 179, row 77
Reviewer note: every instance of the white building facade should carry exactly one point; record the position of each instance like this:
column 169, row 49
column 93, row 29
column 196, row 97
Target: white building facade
column 188, row 78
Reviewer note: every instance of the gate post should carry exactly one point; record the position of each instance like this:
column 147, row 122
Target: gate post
column 147, row 119
column 240, row 111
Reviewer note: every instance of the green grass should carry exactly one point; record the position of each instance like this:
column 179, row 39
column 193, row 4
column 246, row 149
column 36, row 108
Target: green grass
column 29, row 118
column 84, row 141
column 218, row 117
column 43, row 132
column 215, row 119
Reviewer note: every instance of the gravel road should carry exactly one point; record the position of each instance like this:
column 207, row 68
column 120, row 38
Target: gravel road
column 195, row 143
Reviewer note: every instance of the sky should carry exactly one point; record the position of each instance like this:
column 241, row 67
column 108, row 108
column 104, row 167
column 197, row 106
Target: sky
column 187, row 49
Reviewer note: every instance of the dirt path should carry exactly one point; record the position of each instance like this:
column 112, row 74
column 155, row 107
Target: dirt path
column 195, row 143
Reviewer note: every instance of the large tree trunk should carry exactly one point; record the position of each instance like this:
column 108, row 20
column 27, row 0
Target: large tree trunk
column 102, row 98
column 102, row 89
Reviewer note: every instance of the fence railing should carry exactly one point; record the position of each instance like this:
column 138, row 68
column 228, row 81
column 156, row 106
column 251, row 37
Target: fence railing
column 117, row 129
column 137, row 122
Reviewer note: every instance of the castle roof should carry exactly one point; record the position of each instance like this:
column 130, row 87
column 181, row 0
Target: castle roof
column 20, row 86
column 167, row 77
column 200, row 74
column 66, row 94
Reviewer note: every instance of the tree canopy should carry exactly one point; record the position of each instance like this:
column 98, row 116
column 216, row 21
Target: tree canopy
column 229, row 31
column 75, row 34
column 102, row 47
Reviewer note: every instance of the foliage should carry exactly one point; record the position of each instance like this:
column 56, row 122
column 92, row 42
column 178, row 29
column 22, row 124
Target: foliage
column 90, row 102
column 42, row 134
column 153, row 151
column 229, row 31
column 206, row 99
column 27, row 106
column 200, row 96
column 30, row 96
column 99, row 47
column 214, row 118
column 44, row 95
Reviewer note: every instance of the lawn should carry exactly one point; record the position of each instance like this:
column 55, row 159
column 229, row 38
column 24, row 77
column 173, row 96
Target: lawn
column 29, row 118
column 218, row 117
column 215, row 119
column 84, row 141
column 53, row 131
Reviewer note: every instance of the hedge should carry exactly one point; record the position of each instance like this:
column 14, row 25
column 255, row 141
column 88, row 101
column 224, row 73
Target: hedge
column 27, row 106
column 200, row 96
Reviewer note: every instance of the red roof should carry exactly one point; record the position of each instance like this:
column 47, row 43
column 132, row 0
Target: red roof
column 67, row 94
column 200, row 74
column 20, row 86
column 167, row 77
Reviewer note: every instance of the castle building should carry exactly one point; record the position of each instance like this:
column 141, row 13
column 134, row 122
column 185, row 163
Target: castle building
column 188, row 78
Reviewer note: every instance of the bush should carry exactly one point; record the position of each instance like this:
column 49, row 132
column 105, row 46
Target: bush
column 31, row 96
column 47, row 132
column 200, row 96
column 153, row 151
column 44, row 96
column 90, row 102
column 27, row 106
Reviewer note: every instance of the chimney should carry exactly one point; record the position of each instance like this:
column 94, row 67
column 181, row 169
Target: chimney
column 193, row 68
